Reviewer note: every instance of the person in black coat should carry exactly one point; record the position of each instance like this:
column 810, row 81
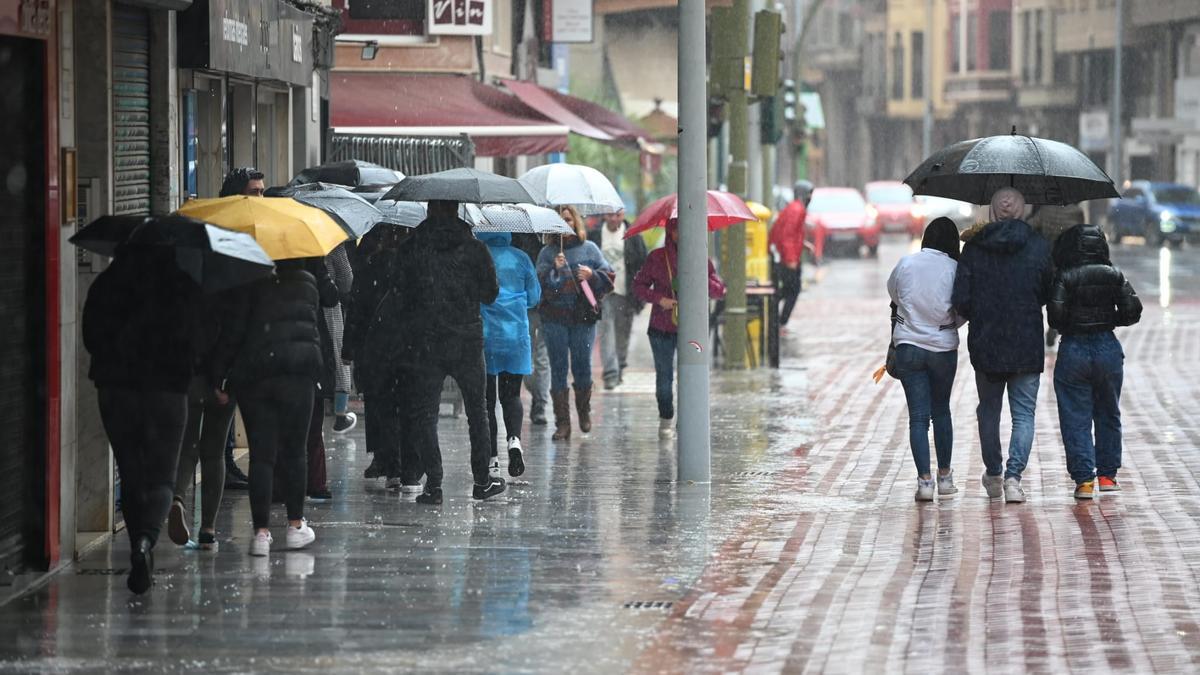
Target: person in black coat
column 442, row 277
column 1090, row 298
column 369, row 324
column 1002, row 282
column 140, row 322
column 270, row 356
column 626, row 256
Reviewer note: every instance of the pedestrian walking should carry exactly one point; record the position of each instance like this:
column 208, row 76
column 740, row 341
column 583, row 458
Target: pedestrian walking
column 925, row 336
column 1089, row 299
column 538, row 382
column 506, row 343
column 1002, row 282
column 139, row 326
column 374, row 320
column 1051, row 221
column 443, row 276
column 270, row 358
column 342, row 273
column 657, row 285
column 209, row 423
column 250, row 182
column 574, row 277
column 626, row 257
column 787, row 238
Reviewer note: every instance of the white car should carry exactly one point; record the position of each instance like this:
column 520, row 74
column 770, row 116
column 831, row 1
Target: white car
column 932, row 208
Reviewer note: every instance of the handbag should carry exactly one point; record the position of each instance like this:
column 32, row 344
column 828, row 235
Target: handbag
column 890, row 363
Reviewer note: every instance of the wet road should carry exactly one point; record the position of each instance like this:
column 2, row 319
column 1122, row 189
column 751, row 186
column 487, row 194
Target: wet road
column 806, row 554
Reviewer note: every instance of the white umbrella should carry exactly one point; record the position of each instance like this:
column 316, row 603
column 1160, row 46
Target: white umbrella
column 411, row 214
column 521, row 218
column 573, row 185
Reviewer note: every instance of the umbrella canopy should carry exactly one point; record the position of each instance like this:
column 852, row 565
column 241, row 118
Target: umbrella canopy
column 524, row 218
column 352, row 211
column 412, row 214
column 724, row 209
column 216, row 258
column 573, row 185
column 1044, row 171
column 352, row 172
column 284, row 228
column 461, row 185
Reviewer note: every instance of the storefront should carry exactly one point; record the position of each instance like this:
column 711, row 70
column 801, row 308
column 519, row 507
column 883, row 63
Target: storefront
column 29, row 286
column 247, row 95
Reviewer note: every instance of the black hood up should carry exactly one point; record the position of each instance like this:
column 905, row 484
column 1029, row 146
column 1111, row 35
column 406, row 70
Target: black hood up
column 444, row 234
column 1081, row 245
column 1004, row 236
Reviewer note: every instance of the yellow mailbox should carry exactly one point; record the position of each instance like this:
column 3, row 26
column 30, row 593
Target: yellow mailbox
column 758, row 255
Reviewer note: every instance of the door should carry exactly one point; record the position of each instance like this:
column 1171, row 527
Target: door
column 22, row 306
column 131, row 110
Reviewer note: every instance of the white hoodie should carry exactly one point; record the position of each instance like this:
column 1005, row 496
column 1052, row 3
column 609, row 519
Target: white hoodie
column 921, row 286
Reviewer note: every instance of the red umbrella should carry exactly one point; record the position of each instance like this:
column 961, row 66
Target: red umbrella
column 724, row 209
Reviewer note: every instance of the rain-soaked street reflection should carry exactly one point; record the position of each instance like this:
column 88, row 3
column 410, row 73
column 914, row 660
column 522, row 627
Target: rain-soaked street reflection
column 806, row 554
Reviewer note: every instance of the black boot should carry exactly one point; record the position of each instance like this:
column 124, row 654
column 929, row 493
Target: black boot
column 141, row 566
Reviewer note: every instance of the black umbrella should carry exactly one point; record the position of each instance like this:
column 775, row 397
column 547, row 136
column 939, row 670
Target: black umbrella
column 461, row 185
column 215, row 257
column 351, row 172
column 1044, row 171
column 353, row 211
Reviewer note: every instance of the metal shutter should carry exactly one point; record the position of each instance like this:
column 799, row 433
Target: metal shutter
column 131, row 110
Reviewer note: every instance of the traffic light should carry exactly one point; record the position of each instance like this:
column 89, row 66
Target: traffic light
column 716, row 116
column 768, row 29
column 789, row 101
column 772, row 119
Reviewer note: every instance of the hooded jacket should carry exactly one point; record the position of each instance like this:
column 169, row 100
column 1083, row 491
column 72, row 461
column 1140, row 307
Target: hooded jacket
column 560, row 288
column 1090, row 295
column 506, row 344
column 656, row 281
column 1002, row 281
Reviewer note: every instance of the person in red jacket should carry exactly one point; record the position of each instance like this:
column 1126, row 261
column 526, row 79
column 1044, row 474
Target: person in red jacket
column 787, row 238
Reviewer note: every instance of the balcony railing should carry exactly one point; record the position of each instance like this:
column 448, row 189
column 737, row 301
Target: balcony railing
column 979, row 86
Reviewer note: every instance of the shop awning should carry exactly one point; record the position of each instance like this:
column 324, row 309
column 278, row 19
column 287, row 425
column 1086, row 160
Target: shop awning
column 398, row 104
column 583, row 117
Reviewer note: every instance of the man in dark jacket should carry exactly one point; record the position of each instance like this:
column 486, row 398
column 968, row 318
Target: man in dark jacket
column 1090, row 298
column 443, row 276
column 626, row 256
column 1003, row 279
column 139, row 325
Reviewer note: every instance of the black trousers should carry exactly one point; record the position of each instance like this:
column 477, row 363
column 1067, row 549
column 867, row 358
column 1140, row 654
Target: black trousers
column 789, row 288
column 277, row 411
column 423, row 383
column 388, row 425
column 145, row 429
column 509, row 390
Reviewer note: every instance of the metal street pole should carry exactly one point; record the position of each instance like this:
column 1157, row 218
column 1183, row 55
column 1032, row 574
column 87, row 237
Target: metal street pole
column 734, row 238
column 693, row 463
column 1116, row 159
column 927, row 81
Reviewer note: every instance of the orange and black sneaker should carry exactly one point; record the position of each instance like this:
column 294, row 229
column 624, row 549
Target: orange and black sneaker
column 1086, row 490
column 1109, row 484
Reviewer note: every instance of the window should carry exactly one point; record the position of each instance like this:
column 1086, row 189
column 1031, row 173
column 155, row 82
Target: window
column 845, row 30
column 999, row 41
column 954, row 53
column 898, row 67
column 1027, row 47
column 1040, row 47
column 972, row 39
column 918, row 64
column 382, row 10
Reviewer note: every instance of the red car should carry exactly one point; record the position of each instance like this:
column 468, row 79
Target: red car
column 841, row 218
column 897, row 210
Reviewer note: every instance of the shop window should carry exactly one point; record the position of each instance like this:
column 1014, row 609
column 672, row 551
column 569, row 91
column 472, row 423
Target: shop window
column 918, row 64
column 385, row 10
column 999, row 41
column 898, row 67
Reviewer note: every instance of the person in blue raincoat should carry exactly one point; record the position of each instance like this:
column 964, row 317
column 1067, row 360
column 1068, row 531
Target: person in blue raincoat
column 506, row 346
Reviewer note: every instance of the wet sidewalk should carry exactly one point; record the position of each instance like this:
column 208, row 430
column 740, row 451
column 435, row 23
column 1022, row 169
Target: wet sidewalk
column 806, row 554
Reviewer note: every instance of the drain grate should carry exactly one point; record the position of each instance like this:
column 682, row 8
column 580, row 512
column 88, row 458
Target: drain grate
column 649, row 604
column 753, row 474
column 103, row 571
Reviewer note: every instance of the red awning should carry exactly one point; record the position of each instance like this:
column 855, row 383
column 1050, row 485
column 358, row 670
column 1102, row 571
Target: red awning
column 583, row 117
column 397, row 104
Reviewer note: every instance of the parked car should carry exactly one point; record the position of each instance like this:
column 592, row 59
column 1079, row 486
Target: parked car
column 1160, row 212
column 932, row 208
column 841, row 218
column 893, row 201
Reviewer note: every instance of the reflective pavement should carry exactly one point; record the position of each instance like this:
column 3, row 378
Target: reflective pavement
column 806, row 554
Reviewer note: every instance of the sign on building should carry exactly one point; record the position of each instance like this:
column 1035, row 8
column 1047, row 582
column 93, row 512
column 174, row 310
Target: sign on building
column 460, row 17
column 1094, row 134
column 568, row 20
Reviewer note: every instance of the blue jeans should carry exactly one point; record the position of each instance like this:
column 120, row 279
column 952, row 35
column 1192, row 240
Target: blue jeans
column 662, row 345
column 570, row 347
column 1022, row 399
column 1087, row 381
column 927, row 378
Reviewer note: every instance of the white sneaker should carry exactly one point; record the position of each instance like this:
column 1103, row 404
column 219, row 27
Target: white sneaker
column 1013, row 493
column 494, row 468
column 993, row 484
column 299, row 537
column 415, row 488
column 666, row 428
column 924, row 490
column 260, row 546
column 945, row 484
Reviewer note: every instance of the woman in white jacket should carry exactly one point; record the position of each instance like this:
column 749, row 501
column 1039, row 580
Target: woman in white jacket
column 926, row 340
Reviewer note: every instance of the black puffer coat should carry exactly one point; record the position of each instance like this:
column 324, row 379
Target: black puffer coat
column 272, row 330
column 141, row 323
column 1003, row 279
column 1090, row 295
column 366, row 338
